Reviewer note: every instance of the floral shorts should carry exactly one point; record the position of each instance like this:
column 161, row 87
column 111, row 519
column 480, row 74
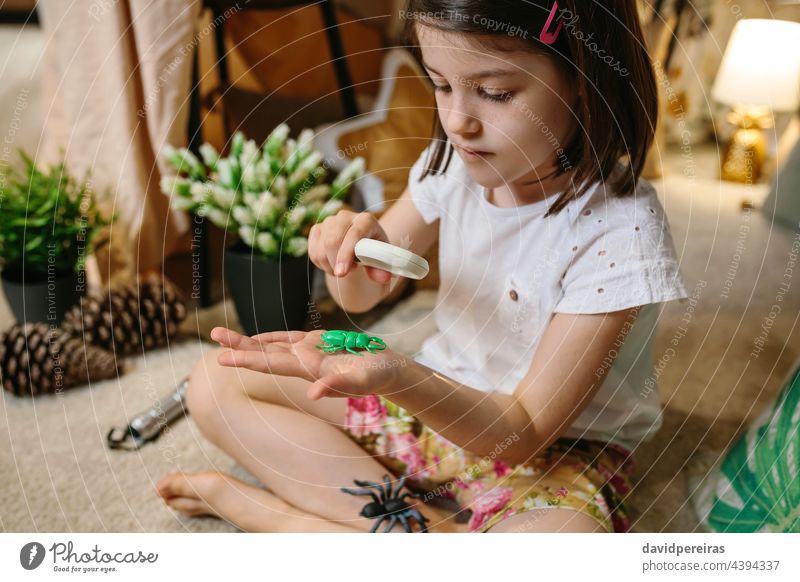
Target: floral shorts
column 585, row 475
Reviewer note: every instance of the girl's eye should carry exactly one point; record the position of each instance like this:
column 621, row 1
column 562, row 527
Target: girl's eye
column 494, row 94
column 441, row 88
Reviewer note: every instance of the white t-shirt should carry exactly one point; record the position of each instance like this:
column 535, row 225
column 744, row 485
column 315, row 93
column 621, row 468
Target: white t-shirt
column 505, row 271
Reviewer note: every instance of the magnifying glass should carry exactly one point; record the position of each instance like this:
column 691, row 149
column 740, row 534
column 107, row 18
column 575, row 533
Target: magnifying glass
column 396, row 260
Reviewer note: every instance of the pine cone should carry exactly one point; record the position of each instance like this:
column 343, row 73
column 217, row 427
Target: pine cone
column 127, row 320
column 39, row 359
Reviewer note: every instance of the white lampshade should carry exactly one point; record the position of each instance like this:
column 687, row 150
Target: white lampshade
column 761, row 65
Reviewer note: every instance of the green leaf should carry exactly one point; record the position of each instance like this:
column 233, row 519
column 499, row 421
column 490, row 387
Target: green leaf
column 44, row 206
column 762, row 470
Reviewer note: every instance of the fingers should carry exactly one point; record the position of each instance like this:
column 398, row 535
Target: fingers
column 316, row 249
column 353, row 382
column 378, row 275
column 233, row 339
column 228, row 337
column 280, row 336
column 271, row 361
column 329, row 387
column 331, row 243
column 364, row 225
column 325, row 238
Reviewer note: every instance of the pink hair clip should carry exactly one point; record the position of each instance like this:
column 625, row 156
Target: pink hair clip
column 550, row 37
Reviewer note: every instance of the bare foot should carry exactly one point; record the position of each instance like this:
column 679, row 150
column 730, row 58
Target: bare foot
column 256, row 510
column 224, row 496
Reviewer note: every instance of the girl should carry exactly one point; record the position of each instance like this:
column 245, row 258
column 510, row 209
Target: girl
column 525, row 406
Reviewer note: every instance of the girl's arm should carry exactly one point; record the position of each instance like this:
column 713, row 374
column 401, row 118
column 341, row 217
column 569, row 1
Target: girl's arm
column 567, row 370
column 405, row 227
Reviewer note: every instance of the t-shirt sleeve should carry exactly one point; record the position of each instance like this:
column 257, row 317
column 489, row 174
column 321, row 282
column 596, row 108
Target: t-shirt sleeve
column 623, row 257
column 424, row 193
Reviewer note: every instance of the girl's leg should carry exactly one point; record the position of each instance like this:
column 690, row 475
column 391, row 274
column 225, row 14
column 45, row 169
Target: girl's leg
column 549, row 519
column 293, row 445
column 245, row 506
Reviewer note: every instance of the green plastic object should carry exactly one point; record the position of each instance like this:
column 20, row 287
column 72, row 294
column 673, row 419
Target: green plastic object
column 756, row 488
column 338, row 339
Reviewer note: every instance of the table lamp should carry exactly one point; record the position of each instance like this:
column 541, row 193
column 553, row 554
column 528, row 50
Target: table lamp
column 759, row 75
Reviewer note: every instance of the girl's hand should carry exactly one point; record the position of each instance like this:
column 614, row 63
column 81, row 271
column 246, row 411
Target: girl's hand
column 295, row 353
column 332, row 242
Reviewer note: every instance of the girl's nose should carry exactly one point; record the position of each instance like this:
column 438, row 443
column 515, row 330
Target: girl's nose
column 460, row 121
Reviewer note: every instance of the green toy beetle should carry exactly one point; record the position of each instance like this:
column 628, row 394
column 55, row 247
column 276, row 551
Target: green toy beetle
column 339, row 339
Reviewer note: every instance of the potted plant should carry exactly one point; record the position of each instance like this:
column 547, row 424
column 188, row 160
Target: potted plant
column 270, row 196
column 48, row 225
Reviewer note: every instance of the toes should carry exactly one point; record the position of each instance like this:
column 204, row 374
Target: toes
column 193, row 486
column 178, row 485
column 191, row 507
column 164, row 487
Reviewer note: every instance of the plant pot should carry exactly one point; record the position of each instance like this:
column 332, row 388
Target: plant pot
column 36, row 300
column 269, row 294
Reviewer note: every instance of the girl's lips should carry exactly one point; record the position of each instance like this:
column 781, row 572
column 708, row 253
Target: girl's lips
column 470, row 152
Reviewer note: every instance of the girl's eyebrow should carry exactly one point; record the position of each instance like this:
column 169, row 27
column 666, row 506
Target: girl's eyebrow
column 478, row 75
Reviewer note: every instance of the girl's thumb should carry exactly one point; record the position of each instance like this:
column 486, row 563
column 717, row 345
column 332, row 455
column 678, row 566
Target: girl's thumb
column 328, row 386
column 379, row 275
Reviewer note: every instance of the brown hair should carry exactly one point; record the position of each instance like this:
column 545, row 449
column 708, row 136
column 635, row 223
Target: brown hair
column 616, row 108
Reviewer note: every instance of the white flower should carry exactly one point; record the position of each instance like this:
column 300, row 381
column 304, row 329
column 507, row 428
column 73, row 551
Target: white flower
column 289, row 155
column 276, row 138
column 210, row 155
column 237, row 144
column 330, row 208
column 265, row 209
column 249, row 153
column 184, row 161
column 249, row 178
column 194, row 167
column 243, row 216
column 199, row 192
column 278, row 187
column 305, row 140
column 225, row 173
column 297, row 246
column 175, row 185
column 171, row 155
column 248, row 235
column 250, row 198
column 304, row 169
column 352, row 172
column 267, row 243
column 224, row 197
column 318, row 193
column 296, row 216
column 262, row 175
column 218, row 217
column 178, row 203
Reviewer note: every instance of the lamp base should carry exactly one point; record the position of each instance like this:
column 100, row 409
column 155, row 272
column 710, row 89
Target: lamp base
column 745, row 153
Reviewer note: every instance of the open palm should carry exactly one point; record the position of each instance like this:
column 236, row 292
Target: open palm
column 295, row 353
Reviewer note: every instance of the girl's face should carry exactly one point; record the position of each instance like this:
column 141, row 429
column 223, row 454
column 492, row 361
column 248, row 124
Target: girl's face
column 506, row 113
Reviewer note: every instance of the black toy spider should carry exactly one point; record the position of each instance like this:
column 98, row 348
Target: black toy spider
column 391, row 505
